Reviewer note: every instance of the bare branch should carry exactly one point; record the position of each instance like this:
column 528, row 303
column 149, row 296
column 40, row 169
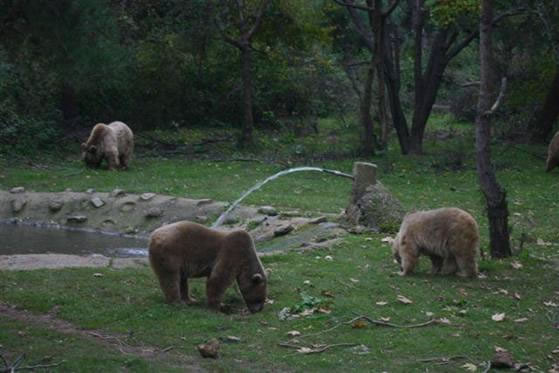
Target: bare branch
column 499, row 98
column 391, row 8
column 383, row 323
column 259, row 17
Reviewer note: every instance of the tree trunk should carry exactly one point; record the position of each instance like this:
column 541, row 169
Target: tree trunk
column 368, row 140
column 392, row 75
column 246, row 138
column 542, row 124
column 495, row 196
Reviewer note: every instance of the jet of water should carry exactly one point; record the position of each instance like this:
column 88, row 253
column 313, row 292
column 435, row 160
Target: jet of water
column 259, row 185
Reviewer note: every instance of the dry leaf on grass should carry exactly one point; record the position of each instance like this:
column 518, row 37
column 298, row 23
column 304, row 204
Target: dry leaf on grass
column 516, row 265
column 498, row 317
column 404, row 300
column 382, row 303
column 522, row 319
column 293, row 333
column 359, row 324
column 469, row 367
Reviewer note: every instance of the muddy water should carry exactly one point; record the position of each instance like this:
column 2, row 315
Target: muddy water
column 29, row 239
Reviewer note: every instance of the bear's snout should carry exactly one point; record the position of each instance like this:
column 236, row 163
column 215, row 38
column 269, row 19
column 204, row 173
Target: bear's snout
column 256, row 307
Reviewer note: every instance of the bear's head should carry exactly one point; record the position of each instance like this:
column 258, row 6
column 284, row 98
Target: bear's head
column 91, row 155
column 254, row 290
column 251, row 279
column 396, row 247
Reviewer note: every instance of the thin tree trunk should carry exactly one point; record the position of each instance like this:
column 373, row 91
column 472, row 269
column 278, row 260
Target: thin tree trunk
column 495, row 196
column 542, row 124
column 248, row 120
column 368, row 140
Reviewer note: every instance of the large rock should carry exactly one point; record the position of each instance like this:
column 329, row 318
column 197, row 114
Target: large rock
column 371, row 204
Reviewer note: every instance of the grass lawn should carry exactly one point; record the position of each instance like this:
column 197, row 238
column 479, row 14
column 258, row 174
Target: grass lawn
column 326, row 288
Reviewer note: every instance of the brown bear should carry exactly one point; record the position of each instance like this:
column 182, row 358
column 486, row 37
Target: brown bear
column 184, row 250
column 449, row 236
column 113, row 142
column 552, row 153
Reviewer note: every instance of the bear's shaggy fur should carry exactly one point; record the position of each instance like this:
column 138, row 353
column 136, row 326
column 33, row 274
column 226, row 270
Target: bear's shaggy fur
column 449, row 236
column 184, row 250
column 113, row 142
column 552, row 153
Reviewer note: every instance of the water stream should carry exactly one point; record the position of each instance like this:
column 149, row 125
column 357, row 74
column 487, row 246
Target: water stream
column 259, row 185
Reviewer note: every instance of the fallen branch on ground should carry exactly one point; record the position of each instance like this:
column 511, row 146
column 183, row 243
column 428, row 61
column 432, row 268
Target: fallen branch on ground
column 384, row 323
column 316, row 350
column 15, row 366
column 442, row 360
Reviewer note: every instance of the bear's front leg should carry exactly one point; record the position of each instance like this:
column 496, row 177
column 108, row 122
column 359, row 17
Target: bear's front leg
column 112, row 160
column 436, row 264
column 216, row 285
column 186, row 298
column 449, row 266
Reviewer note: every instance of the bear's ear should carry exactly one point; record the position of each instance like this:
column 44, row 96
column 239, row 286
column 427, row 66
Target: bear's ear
column 83, row 146
column 257, row 278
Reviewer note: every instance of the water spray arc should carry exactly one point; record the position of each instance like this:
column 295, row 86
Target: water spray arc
column 259, row 185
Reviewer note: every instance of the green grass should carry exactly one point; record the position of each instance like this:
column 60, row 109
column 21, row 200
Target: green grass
column 130, row 302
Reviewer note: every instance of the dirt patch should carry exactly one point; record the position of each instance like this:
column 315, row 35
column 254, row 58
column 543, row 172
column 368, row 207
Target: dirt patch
column 58, row 261
column 117, row 342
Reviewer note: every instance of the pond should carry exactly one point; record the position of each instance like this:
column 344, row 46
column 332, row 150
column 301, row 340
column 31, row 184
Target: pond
column 36, row 239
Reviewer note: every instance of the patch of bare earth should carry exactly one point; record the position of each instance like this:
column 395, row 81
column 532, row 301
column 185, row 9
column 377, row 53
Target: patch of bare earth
column 117, row 342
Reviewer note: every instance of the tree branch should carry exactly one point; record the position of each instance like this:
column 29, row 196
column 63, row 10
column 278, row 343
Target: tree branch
column 499, row 98
column 354, row 6
column 391, row 9
column 259, row 17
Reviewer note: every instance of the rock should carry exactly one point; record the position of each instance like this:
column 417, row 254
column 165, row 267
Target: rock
column 154, row 212
column 147, row 196
column 108, row 222
column 201, row 219
column 290, row 214
column 97, row 202
column 68, row 190
column 377, row 209
column 209, row 349
column 55, row 206
column 502, row 360
column 320, row 219
column 76, row 219
column 117, row 193
column 231, row 219
column 17, row 190
column 283, row 230
column 130, row 230
column 268, row 210
column 127, row 206
column 18, row 205
column 90, row 191
column 203, row 202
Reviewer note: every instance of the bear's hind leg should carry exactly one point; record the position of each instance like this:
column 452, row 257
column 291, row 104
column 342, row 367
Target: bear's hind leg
column 449, row 266
column 436, row 264
column 184, row 289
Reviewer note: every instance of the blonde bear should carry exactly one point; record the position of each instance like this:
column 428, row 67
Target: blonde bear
column 552, row 153
column 448, row 236
column 113, row 142
column 184, row 250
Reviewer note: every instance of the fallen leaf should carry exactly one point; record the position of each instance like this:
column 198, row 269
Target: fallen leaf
column 387, row 239
column 522, row 319
column 307, row 282
column 359, row 324
column 444, row 320
column 550, row 304
column 97, row 274
column 517, row 296
column 324, row 310
column 327, row 293
column 404, row 300
column 541, row 242
column 269, row 301
column 368, row 239
column 308, row 312
column 329, row 258
column 503, row 291
column 381, row 303
column 429, row 314
column 385, row 319
column 516, row 265
column 500, row 349
column 498, row 317
column 469, row 367
column 556, row 351
column 353, row 280
column 293, row 333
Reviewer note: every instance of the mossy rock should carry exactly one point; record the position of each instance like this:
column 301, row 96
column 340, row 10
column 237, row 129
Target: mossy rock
column 377, row 209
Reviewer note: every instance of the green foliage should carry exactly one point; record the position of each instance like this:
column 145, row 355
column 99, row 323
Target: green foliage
column 446, row 12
